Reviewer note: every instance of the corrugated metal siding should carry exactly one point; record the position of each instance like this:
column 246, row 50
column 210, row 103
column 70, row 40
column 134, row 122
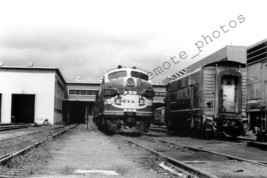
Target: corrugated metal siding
column 23, row 81
column 60, row 90
column 209, row 89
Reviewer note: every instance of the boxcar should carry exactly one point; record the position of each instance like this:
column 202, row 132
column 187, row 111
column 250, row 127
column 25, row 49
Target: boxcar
column 209, row 99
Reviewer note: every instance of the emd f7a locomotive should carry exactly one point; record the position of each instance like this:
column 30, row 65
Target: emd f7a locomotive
column 125, row 101
column 207, row 100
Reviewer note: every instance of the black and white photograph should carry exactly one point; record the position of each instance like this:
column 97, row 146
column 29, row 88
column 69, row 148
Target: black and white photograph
column 133, row 89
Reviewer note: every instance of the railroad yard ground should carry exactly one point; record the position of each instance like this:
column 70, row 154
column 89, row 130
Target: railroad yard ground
column 83, row 152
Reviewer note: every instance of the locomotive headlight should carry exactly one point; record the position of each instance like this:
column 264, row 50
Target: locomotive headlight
column 130, row 81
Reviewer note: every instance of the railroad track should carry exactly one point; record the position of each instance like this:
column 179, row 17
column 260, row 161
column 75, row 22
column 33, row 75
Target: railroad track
column 205, row 163
column 225, row 138
column 4, row 127
column 186, row 170
column 213, row 152
column 5, row 159
column 31, row 133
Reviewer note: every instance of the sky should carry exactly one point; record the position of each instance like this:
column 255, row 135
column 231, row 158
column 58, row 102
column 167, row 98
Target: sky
column 86, row 38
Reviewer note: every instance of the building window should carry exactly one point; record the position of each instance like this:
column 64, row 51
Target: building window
column 95, row 92
column 160, row 94
column 83, row 92
column 89, row 92
column 72, row 92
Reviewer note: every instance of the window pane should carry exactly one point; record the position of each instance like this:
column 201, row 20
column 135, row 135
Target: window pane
column 95, row 92
column 83, row 92
column 228, row 98
column 89, row 92
column 139, row 75
column 71, row 92
column 116, row 75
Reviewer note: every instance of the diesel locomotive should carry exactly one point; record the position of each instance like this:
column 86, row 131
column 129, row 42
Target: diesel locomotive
column 208, row 99
column 124, row 102
column 257, row 89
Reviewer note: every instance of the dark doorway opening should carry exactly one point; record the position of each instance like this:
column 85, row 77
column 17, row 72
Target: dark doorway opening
column 76, row 111
column 22, row 108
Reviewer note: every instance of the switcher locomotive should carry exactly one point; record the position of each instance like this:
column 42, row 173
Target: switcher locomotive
column 208, row 99
column 125, row 101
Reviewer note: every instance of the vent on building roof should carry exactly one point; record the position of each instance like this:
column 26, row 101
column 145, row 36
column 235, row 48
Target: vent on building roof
column 1, row 63
column 30, row 64
column 78, row 79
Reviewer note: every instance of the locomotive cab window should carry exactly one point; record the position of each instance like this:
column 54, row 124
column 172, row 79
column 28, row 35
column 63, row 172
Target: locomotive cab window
column 139, row 75
column 229, row 93
column 118, row 74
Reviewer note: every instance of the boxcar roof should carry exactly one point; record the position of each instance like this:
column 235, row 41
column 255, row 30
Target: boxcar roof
column 228, row 53
column 211, row 64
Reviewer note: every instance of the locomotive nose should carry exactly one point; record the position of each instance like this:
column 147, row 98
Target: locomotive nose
column 130, row 82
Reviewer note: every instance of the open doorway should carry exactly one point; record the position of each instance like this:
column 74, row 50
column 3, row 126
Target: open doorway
column 76, row 111
column 22, row 108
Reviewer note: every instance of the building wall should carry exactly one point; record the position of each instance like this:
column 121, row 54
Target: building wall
column 80, row 91
column 60, row 94
column 23, row 81
column 160, row 93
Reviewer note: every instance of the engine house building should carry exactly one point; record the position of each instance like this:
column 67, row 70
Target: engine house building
column 160, row 94
column 38, row 94
column 80, row 101
column 31, row 94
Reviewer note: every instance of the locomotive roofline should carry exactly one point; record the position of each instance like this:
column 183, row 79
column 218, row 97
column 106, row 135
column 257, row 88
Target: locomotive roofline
column 127, row 69
column 121, row 68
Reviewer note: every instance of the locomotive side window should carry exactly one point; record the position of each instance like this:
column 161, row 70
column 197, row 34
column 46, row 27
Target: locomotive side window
column 139, row 75
column 229, row 94
column 116, row 75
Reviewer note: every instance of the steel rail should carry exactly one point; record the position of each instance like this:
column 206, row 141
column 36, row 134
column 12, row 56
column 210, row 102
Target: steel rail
column 6, row 158
column 226, row 138
column 213, row 152
column 12, row 127
column 27, row 134
column 186, row 168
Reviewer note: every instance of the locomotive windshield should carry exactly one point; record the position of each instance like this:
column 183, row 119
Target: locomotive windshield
column 139, row 75
column 229, row 94
column 118, row 74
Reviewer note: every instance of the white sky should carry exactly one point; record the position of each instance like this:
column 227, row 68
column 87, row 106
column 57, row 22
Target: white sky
column 86, row 38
